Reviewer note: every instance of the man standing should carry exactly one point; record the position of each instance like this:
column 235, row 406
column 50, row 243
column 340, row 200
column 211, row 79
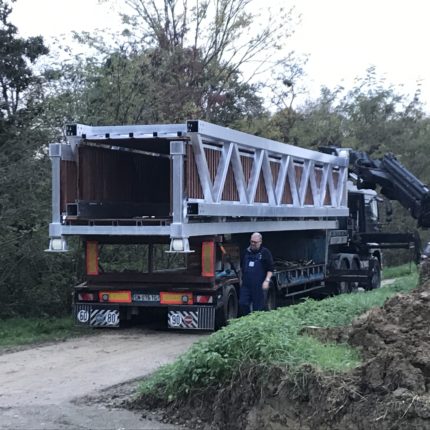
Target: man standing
column 257, row 270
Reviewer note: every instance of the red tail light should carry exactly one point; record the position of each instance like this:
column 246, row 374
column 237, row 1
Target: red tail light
column 87, row 297
column 204, row 299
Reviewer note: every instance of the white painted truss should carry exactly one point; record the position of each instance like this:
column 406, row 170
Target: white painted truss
column 222, row 181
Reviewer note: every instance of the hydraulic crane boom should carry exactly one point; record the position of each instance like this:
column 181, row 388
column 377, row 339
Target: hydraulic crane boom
column 396, row 182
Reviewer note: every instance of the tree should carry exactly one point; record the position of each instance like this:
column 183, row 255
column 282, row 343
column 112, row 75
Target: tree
column 317, row 123
column 15, row 73
column 178, row 60
column 24, row 180
column 207, row 44
column 224, row 33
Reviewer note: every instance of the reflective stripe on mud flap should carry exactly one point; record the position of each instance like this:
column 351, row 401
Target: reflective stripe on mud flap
column 195, row 317
column 97, row 316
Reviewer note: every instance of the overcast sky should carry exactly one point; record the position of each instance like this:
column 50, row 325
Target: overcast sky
column 342, row 37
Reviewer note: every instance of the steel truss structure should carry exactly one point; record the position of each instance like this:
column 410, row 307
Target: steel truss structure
column 222, row 181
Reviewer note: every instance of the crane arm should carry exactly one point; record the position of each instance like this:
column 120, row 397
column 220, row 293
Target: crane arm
column 396, row 182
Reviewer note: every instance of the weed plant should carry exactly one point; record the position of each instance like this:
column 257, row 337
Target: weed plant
column 270, row 338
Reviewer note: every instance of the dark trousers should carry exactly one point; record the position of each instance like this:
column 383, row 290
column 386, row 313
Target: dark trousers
column 252, row 295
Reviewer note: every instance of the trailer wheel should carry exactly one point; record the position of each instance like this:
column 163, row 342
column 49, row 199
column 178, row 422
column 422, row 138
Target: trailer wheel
column 230, row 309
column 375, row 278
column 271, row 298
column 344, row 286
column 355, row 285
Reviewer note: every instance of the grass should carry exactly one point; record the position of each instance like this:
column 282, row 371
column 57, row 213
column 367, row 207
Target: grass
column 399, row 271
column 270, row 338
column 21, row 331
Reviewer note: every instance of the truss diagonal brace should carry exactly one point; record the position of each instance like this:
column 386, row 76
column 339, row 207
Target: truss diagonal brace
column 255, row 175
column 202, row 167
column 268, row 179
column 239, row 176
column 222, row 171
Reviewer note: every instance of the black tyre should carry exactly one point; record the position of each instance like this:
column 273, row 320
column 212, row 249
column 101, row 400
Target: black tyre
column 355, row 285
column 230, row 307
column 271, row 301
column 344, row 286
column 375, row 278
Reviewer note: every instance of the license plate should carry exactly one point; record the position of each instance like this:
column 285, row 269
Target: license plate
column 146, row 297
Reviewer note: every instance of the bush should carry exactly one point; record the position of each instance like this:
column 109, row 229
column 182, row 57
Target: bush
column 269, row 338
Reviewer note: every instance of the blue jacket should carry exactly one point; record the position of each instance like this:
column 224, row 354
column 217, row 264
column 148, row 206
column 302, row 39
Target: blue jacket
column 255, row 265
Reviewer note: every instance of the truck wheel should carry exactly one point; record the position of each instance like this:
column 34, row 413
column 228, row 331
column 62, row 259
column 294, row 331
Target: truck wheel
column 230, row 309
column 375, row 278
column 355, row 266
column 343, row 287
column 271, row 298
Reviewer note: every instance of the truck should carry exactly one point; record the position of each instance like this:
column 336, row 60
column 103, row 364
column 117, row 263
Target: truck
column 163, row 212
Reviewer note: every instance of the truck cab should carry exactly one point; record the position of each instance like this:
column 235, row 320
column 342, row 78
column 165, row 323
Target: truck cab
column 363, row 211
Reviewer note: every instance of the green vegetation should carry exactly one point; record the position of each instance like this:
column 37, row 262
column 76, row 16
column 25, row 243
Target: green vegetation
column 399, row 271
column 21, row 331
column 267, row 338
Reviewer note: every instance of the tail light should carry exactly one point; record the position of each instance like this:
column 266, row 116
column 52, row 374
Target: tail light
column 92, row 258
column 115, row 296
column 208, row 259
column 182, row 298
column 204, row 299
column 87, row 297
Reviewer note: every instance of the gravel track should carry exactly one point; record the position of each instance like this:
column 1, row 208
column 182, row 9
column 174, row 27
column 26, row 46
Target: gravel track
column 56, row 386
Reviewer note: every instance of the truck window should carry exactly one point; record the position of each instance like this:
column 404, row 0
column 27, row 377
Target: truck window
column 373, row 205
column 371, row 213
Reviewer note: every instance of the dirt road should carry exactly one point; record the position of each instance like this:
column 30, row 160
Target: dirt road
column 54, row 386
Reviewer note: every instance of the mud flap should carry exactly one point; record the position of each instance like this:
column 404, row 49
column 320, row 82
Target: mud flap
column 191, row 317
column 97, row 316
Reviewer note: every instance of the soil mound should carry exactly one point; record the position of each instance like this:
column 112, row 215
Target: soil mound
column 390, row 390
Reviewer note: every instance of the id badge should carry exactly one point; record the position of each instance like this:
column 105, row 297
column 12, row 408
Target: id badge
column 251, row 264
